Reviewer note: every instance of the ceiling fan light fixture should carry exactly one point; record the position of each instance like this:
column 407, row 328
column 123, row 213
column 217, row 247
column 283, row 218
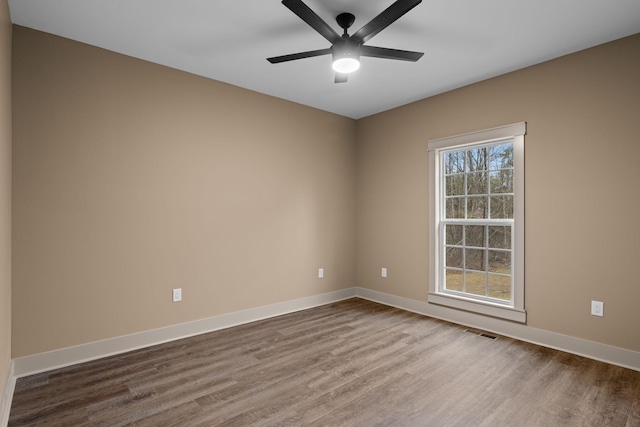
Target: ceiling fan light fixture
column 346, row 57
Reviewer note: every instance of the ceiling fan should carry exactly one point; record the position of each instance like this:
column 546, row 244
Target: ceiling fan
column 347, row 49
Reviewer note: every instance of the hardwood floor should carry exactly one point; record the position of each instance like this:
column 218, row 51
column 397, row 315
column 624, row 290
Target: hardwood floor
column 352, row 363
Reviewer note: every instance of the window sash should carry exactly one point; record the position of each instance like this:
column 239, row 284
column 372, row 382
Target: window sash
column 443, row 267
column 487, row 196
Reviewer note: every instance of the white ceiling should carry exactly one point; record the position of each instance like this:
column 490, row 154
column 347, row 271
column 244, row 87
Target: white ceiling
column 464, row 41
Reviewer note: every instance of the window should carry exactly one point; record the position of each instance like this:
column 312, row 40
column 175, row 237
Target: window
column 476, row 222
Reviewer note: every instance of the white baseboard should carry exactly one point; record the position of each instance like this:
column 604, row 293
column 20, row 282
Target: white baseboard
column 7, row 396
column 43, row 362
column 592, row 350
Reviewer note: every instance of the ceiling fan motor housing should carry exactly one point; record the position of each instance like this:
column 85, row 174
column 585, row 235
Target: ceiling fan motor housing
column 346, row 55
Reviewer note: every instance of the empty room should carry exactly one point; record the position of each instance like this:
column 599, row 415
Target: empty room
column 319, row 212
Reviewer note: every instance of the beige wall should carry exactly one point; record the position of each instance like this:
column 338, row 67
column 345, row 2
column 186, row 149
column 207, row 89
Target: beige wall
column 131, row 179
column 582, row 178
column 5, row 193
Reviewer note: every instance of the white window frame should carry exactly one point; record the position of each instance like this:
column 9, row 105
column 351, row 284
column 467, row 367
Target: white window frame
column 513, row 310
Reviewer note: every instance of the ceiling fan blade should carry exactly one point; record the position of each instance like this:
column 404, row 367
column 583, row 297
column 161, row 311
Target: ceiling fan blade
column 384, row 19
column 301, row 55
column 341, row 78
column 314, row 21
column 383, row 52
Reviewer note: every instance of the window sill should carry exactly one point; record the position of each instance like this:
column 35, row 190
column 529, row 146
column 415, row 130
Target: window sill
column 488, row 309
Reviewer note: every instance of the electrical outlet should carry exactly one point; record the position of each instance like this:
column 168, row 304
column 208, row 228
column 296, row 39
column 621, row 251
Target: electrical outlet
column 597, row 308
column 320, row 273
column 177, row 295
column 383, row 272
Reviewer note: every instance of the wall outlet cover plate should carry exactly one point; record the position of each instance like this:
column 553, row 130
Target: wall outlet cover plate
column 597, row 308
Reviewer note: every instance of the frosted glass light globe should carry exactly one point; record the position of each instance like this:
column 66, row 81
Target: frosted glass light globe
column 346, row 65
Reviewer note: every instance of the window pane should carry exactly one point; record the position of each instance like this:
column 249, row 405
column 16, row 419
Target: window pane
column 501, row 181
column 474, row 259
column 501, row 156
column 501, row 207
column 500, row 262
column 476, row 283
column 454, row 162
column 477, row 183
column 455, row 207
column 455, row 185
column 499, row 286
column 454, row 257
column 499, row 237
column 474, row 235
column 454, row 280
column 477, row 207
column 453, row 234
column 477, row 159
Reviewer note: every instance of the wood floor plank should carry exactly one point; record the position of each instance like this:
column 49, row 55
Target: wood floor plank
column 351, row 363
column 172, row 417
